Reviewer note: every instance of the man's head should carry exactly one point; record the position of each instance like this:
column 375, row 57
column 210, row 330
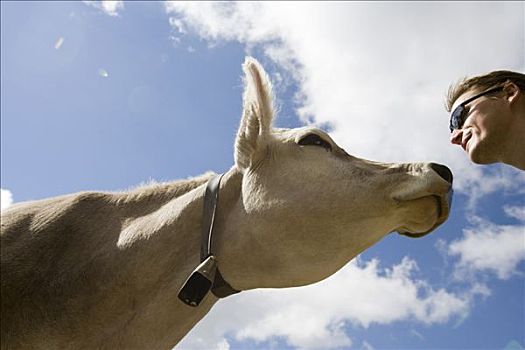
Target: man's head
column 484, row 110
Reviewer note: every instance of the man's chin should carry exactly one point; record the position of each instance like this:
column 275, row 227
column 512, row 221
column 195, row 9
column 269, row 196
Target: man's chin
column 476, row 155
column 482, row 151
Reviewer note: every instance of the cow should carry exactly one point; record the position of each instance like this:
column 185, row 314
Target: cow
column 138, row 269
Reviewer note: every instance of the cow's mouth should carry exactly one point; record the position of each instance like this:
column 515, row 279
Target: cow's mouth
column 443, row 204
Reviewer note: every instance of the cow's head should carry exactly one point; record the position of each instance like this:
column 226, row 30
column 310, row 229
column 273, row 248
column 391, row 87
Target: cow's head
column 307, row 207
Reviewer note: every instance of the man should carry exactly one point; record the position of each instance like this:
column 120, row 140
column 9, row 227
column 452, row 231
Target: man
column 488, row 117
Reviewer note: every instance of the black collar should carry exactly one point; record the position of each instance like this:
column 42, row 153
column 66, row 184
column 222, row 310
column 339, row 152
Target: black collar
column 207, row 276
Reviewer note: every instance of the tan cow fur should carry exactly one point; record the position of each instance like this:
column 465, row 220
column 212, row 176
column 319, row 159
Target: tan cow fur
column 102, row 270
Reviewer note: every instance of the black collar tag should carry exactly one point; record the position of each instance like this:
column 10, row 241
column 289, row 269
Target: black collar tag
column 206, row 276
column 199, row 283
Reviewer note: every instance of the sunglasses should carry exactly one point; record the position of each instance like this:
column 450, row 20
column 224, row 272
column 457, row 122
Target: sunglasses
column 458, row 116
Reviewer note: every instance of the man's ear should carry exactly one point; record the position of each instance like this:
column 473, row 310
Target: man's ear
column 257, row 116
column 512, row 91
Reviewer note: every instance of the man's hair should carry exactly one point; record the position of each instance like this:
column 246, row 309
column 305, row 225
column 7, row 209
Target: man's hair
column 483, row 82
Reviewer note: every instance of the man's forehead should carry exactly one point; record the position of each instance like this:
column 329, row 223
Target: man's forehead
column 464, row 96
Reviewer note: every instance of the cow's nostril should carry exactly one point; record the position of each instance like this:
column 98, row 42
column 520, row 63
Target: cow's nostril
column 443, row 171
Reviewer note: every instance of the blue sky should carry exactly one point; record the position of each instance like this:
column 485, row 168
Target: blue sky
column 97, row 97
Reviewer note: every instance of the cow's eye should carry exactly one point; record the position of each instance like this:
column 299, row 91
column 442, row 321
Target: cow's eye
column 315, row 140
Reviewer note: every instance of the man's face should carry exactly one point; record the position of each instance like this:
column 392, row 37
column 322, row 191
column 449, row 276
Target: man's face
column 484, row 127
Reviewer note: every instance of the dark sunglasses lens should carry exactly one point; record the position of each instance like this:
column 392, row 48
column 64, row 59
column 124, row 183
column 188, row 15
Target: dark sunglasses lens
column 456, row 119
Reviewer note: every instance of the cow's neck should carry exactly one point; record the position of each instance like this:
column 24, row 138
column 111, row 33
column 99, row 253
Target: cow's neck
column 115, row 284
column 164, row 249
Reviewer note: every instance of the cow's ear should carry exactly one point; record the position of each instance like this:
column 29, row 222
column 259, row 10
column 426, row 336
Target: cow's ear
column 257, row 116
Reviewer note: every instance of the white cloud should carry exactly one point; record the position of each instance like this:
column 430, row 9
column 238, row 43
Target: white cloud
column 367, row 346
column 224, row 21
column 6, row 198
column 315, row 316
column 493, row 179
column 416, row 334
column 377, row 72
column 515, row 212
column 109, row 7
column 487, row 247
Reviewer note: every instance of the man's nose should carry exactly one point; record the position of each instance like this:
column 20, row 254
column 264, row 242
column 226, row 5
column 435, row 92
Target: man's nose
column 456, row 136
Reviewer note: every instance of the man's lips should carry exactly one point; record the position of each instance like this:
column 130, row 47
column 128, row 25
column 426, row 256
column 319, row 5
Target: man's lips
column 465, row 140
